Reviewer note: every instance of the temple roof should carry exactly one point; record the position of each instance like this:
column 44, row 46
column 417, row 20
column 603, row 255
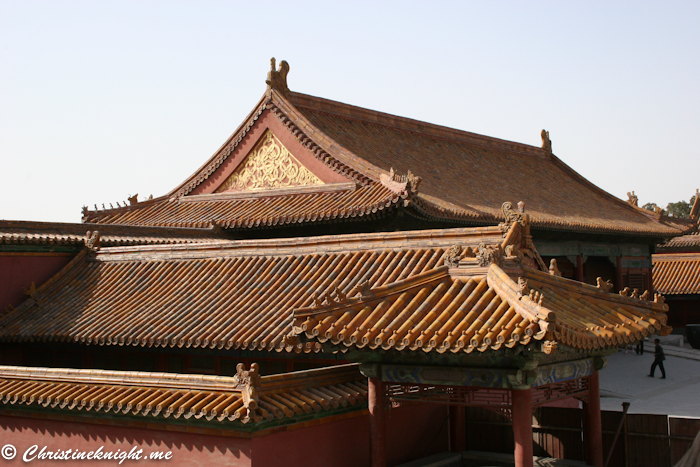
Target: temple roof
column 357, row 162
column 460, row 284
column 677, row 273
column 439, row 312
column 56, row 233
column 246, row 398
column 685, row 243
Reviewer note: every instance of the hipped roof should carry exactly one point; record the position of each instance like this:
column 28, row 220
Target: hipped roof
column 243, row 295
column 464, row 177
column 677, row 273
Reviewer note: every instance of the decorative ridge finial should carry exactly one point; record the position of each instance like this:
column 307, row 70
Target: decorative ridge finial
column 546, row 142
column 632, row 198
column 695, row 209
column 277, row 79
column 400, row 183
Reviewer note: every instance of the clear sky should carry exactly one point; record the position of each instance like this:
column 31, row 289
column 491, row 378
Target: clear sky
column 103, row 99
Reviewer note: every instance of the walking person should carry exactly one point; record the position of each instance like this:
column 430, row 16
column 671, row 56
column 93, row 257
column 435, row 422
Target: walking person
column 659, row 358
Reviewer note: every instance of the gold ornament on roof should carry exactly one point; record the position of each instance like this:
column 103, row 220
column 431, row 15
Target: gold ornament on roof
column 269, row 165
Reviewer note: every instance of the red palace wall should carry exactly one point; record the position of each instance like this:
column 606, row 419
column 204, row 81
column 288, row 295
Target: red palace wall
column 188, row 449
column 18, row 271
column 412, row 432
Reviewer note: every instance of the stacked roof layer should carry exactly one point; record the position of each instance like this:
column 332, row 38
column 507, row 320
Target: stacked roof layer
column 464, row 178
column 242, row 295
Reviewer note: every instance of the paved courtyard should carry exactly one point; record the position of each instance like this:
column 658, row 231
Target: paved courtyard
column 625, row 380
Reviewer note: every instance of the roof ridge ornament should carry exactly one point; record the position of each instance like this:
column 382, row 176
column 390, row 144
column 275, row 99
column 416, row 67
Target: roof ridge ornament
column 452, row 256
column 605, row 286
column 632, row 198
column 488, row 255
column 401, row 183
column 248, row 382
column 546, row 142
column 277, row 78
column 92, row 241
column 554, row 268
column 510, row 216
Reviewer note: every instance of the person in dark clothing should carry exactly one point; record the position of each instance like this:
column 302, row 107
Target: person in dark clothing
column 659, row 358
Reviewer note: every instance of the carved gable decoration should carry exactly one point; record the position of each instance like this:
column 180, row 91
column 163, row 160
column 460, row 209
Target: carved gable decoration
column 269, row 165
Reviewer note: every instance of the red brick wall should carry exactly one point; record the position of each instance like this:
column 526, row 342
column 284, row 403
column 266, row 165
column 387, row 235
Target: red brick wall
column 412, row 432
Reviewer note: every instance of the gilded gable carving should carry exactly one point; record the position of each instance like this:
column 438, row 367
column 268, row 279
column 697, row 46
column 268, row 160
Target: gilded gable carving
column 269, row 165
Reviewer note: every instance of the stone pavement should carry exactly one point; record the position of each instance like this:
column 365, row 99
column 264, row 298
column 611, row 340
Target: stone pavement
column 625, row 380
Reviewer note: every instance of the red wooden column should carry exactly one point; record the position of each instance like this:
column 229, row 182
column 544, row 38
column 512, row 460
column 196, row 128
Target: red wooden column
column 593, row 428
column 579, row 269
column 458, row 428
column 377, row 422
column 522, row 427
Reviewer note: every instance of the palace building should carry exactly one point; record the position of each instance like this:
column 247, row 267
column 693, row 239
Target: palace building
column 333, row 286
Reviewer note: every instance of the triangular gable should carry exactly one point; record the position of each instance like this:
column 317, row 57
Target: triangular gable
column 267, row 155
column 268, row 165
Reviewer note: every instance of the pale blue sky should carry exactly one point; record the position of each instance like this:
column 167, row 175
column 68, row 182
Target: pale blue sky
column 100, row 99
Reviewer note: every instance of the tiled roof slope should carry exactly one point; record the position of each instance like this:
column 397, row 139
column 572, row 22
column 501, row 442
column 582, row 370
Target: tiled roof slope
column 689, row 242
column 439, row 311
column 260, row 211
column 229, row 295
column 677, row 273
column 244, row 399
column 484, row 299
column 56, row 233
column 469, row 175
